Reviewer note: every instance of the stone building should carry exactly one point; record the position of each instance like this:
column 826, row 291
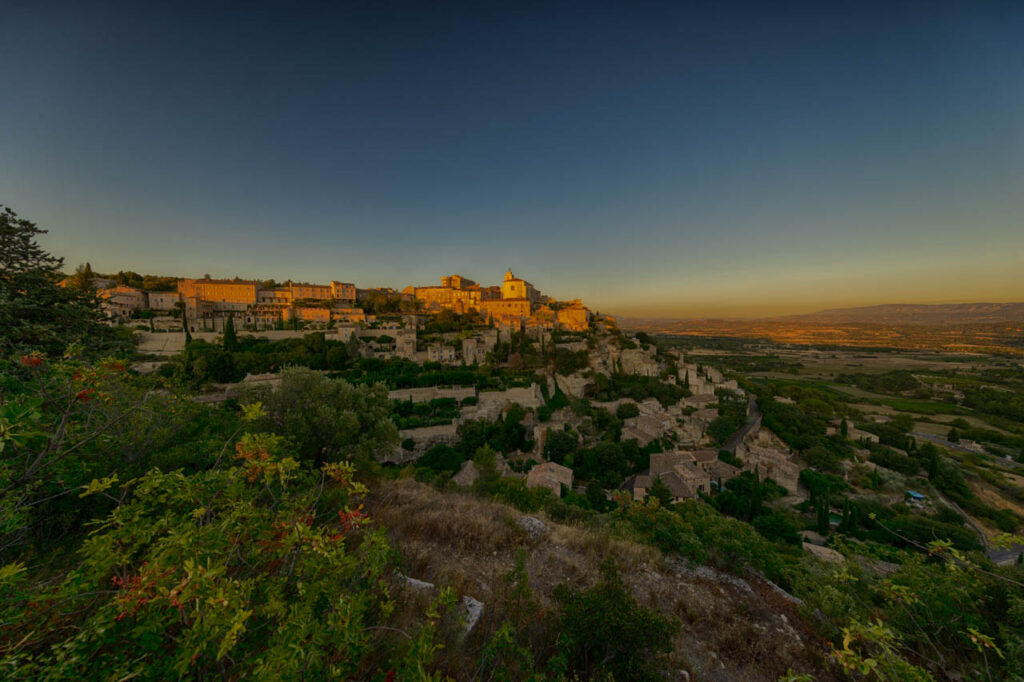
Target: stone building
column 121, row 301
column 505, row 308
column 441, row 353
column 163, row 300
column 679, row 468
column 513, row 287
column 574, row 317
column 551, row 476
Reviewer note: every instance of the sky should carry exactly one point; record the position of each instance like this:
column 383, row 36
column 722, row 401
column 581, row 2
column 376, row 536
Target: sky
column 654, row 159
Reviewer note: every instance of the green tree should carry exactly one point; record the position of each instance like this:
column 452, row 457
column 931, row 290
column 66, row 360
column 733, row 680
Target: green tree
column 328, row 419
column 558, row 445
column 82, row 279
column 35, row 312
column 627, row 410
column 605, row 634
column 595, row 496
column 230, row 342
column 660, row 492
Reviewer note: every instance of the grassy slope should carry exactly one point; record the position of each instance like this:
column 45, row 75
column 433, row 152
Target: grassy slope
column 731, row 629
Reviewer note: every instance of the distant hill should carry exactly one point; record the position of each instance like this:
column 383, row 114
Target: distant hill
column 960, row 327
column 939, row 315
column 891, row 314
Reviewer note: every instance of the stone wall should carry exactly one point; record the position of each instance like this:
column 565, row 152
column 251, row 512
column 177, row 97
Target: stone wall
column 426, row 394
column 526, row 396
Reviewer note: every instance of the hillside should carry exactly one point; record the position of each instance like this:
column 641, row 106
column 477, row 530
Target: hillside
column 732, row 628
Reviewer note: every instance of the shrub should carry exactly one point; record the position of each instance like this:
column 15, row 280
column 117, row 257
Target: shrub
column 605, row 633
column 627, row 410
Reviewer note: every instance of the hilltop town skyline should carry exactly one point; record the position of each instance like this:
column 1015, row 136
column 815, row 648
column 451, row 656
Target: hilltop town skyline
column 639, row 313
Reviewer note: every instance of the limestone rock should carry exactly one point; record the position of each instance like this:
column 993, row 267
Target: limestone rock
column 468, row 473
column 418, row 584
column 474, row 609
column 534, row 527
column 825, row 554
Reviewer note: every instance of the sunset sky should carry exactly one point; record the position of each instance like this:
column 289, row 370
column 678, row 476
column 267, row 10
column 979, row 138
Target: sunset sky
column 655, row 160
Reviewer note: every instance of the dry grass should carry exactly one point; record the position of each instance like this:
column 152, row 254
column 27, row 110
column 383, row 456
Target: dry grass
column 457, row 540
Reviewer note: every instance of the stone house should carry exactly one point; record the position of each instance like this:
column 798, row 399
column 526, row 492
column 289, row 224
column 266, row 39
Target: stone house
column 551, row 476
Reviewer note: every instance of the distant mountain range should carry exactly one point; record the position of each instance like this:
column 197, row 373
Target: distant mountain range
column 893, row 314
column 896, row 314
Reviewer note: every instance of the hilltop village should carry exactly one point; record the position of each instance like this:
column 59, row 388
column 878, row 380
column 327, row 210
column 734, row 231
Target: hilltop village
column 562, row 359
column 342, row 310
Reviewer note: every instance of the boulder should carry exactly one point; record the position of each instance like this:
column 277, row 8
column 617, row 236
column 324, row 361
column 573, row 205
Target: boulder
column 473, row 610
column 534, row 527
column 825, row 554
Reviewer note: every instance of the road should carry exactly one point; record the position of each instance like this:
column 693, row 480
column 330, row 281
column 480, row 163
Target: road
column 959, row 448
column 753, row 420
column 1005, row 556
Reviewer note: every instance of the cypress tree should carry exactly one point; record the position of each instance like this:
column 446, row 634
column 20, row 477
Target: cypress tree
column 230, row 337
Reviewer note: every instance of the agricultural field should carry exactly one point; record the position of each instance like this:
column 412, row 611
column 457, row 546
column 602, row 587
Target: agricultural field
column 969, row 408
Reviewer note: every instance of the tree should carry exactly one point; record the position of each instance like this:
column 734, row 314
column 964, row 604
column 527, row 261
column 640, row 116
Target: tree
column 35, row 312
column 627, row 410
column 82, row 279
column 606, row 634
column 844, row 429
column 722, row 428
column 328, row 419
column 660, row 492
column 595, row 496
column 558, row 445
column 230, row 337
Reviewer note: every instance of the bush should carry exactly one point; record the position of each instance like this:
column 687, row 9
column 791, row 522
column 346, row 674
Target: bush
column 327, row 419
column 606, row 634
column 627, row 411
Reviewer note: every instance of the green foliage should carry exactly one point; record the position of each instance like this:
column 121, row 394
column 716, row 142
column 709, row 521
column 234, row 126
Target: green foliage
column 722, row 428
column 441, row 459
column 627, row 411
column 895, row 382
column 639, row 388
column 255, row 571
column 558, row 445
column 505, row 435
column 609, row 462
column 327, row 419
column 660, row 492
column 64, row 423
column 409, row 415
column 230, row 342
column 569, row 362
column 35, row 313
column 604, row 632
column 890, row 459
column 822, row 459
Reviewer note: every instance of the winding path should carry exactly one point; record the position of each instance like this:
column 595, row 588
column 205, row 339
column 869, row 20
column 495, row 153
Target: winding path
column 752, row 424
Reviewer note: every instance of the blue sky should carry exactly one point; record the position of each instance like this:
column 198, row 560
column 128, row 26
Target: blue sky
column 654, row 159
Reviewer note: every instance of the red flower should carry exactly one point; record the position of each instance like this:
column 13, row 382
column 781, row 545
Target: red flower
column 31, row 360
